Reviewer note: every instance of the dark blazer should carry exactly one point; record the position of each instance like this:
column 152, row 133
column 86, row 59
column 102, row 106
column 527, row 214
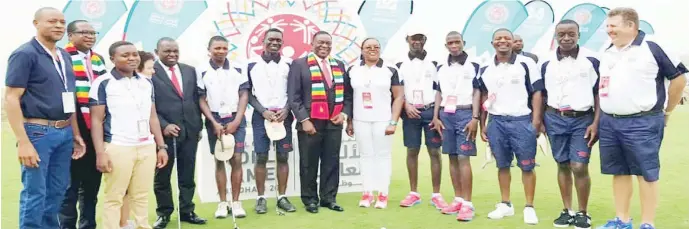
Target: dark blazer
column 299, row 94
column 184, row 112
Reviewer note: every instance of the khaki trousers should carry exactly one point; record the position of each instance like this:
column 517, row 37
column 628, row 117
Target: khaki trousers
column 133, row 168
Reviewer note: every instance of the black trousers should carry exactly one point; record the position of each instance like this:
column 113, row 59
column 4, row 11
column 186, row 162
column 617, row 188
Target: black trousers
column 186, row 163
column 84, row 186
column 323, row 146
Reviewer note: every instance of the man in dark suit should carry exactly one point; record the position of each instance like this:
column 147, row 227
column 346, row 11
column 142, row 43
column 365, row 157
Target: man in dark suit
column 320, row 96
column 177, row 103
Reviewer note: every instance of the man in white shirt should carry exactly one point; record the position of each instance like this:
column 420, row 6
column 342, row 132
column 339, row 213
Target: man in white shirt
column 570, row 75
column 640, row 85
column 512, row 86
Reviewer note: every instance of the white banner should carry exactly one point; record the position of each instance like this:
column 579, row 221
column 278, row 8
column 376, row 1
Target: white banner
column 350, row 169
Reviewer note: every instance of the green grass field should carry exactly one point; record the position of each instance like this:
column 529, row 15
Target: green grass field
column 672, row 209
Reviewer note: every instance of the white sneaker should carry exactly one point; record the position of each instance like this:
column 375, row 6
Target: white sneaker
column 237, row 209
column 223, row 209
column 501, row 211
column 530, row 216
column 130, row 225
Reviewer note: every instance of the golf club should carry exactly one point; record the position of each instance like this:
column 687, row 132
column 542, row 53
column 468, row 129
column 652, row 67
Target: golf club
column 276, row 183
column 234, row 220
column 174, row 150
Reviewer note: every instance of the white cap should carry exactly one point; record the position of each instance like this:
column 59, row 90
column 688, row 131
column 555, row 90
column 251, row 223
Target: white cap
column 413, row 29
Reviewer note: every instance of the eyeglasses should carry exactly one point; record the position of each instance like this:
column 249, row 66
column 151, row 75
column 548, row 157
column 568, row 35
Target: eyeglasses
column 84, row 33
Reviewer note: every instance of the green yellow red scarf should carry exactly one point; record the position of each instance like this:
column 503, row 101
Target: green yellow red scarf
column 319, row 99
column 83, row 83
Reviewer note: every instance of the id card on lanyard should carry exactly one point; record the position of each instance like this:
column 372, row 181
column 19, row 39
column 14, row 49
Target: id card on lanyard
column 143, row 123
column 68, row 102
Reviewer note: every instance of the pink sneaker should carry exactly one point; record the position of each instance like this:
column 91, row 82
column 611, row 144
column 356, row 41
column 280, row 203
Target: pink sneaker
column 410, row 200
column 366, row 200
column 438, row 202
column 382, row 201
column 452, row 209
column 466, row 213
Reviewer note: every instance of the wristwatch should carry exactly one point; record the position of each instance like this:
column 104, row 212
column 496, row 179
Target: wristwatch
column 158, row 148
column 393, row 123
column 476, row 117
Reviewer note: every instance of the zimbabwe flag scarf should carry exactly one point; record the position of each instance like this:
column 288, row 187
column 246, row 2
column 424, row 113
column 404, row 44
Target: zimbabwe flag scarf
column 319, row 98
column 83, row 83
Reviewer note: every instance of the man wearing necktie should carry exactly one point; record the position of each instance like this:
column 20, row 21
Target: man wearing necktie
column 85, row 178
column 320, row 96
column 177, row 103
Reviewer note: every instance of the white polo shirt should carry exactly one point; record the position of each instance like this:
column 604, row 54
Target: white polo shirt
column 420, row 78
column 372, row 88
column 268, row 80
column 128, row 103
column 222, row 85
column 570, row 82
column 634, row 79
column 457, row 78
column 509, row 86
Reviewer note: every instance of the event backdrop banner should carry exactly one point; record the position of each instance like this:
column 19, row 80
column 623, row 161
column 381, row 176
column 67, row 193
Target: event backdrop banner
column 148, row 21
column 100, row 13
column 383, row 18
column 350, row 170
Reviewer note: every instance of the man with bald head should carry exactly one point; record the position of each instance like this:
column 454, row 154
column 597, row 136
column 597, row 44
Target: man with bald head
column 518, row 47
column 40, row 104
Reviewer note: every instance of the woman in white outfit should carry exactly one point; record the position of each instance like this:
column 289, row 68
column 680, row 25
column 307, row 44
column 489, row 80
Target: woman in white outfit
column 378, row 100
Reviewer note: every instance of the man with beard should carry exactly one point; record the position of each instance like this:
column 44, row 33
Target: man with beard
column 179, row 113
column 40, row 105
column 512, row 86
column 268, row 79
column 225, row 94
column 87, row 66
column 518, row 47
column 320, row 96
column 418, row 74
column 570, row 76
column 458, row 121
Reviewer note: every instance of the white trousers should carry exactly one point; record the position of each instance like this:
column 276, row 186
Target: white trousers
column 376, row 154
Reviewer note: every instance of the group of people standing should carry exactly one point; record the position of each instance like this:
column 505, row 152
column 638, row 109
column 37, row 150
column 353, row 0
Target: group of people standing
column 133, row 122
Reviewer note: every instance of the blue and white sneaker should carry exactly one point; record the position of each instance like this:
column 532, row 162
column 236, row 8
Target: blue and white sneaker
column 646, row 226
column 617, row 224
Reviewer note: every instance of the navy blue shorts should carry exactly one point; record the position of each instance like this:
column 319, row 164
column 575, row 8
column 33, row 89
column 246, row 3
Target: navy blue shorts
column 412, row 128
column 511, row 137
column 630, row 146
column 566, row 135
column 454, row 139
column 239, row 136
column 261, row 140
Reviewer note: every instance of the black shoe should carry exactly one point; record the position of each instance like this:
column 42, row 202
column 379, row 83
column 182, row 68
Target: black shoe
column 261, row 206
column 312, row 208
column 284, row 204
column 332, row 206
column 192, row 218
column 565, row 219
column 582, row 221
column 161, row 222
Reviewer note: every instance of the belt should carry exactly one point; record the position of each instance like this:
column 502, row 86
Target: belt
column 640, row 114
column 425, row 107
column 461, row 107
column 572, row 113
column 59, row 124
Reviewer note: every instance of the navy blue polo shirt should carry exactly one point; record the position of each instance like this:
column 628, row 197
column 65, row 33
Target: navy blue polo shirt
column 32, row 68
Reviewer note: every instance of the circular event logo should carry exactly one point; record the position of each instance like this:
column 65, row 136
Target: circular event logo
column 497, row 13
column 169, row 7
column 93, row 9
column 245, row 28
column 582, row 16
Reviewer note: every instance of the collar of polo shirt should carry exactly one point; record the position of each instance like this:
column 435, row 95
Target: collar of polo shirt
column 378, row 64
column 118, row 76
column 461, row 58
column 513, row 58
column 575, row 53
column 421, row 56
column 636, row 42
column 225, row 65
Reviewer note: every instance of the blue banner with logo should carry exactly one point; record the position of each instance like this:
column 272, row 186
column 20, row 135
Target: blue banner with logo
column 102, row 15
column 599, row 38
column 541, row 17
column 488, row 17
column 589, row 16
column 383, row 18
column 148, row 21
column 646, row 27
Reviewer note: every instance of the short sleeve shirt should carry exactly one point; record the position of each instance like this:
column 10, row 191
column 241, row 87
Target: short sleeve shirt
column 570, row 82
column 419, row 77
column 456, row 78
column 222, row 84
column 372, row 88
column 509, row 86
column 268, row 80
